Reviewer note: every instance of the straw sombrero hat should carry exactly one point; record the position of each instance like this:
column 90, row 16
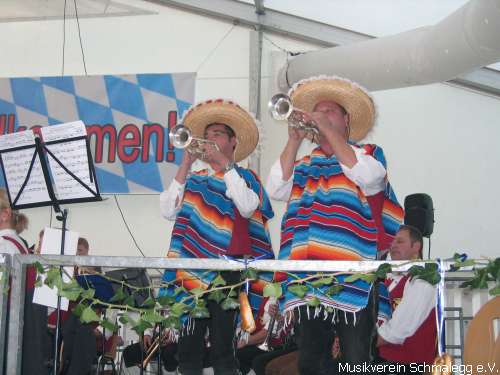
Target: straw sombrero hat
column 221, row 111
column 356, row 100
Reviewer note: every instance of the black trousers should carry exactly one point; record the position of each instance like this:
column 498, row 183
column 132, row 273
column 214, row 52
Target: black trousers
column 315, row 338
column 133, row 355
column 221, row 327
column 260, row 362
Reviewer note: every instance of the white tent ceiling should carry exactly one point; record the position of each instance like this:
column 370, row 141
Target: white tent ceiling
column 350, row 20
column 32, row 10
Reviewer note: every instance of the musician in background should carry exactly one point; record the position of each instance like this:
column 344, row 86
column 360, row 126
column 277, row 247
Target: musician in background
column 410, row 335
column 262, row 345
column 340, row 207
column 221, row 210
column 35, row 336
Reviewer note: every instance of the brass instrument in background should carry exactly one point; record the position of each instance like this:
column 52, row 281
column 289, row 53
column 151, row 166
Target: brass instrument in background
column 155, row 346
column 265, row 345
column 281, row 108
column 181, row 137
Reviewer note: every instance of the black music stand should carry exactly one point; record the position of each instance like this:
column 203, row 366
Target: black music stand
column 48, row 182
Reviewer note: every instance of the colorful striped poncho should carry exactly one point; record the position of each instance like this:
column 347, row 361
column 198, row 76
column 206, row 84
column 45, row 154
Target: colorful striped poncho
column 329, row 218
column 204, row 226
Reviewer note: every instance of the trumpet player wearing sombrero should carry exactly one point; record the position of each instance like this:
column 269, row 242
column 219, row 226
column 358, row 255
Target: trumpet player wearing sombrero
column 340, row 207
column 221, row 210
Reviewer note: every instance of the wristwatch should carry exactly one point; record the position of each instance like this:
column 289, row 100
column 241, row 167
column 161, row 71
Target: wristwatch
column 228, row 167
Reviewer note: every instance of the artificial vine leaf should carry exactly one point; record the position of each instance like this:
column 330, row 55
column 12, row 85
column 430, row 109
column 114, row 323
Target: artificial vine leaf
column 172, row 322
column 112, row 327
column 119, row 295
column 383, row 270
column 216, row 295
column 179, row 289
column 250, row 273
column 314, row 302
column 53, row 278
column 89, row 315
column 230, row 304
column 494, row 269
column 197, row 291
column 71, row 290
column 39, row 268
column 218, row 281
column 149, row 302
column 38, row 282
column 200, row 312
column 152, row 316
column 178, row 309
column 123, row 319
column 334, row 289
column 321, row 282
column 166, row 300
column 368, row 277
column 141, row 327
column 429, row 273
column 479, row 281
column 495, row 291
column 352, row 278
column 88, row 293
column 232, row 293
column 78, row 309
column 298, row 290
column 130, row 301
column 273, row 290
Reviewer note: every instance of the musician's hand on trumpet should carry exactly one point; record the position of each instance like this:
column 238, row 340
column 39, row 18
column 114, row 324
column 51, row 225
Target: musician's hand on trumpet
column 296, row 135
column 146, row 342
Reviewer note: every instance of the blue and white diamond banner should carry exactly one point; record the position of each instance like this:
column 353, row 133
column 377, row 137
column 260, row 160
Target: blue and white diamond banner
column 128, row 118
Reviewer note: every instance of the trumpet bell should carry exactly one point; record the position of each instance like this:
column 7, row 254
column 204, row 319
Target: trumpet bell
column 280, row 107
column 180, row 136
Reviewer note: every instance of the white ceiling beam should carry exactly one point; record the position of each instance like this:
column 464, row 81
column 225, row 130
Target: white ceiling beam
column 271, row 21
column 484, row 79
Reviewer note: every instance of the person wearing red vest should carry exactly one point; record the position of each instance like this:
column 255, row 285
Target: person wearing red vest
column 35, row 337
column 409, row 337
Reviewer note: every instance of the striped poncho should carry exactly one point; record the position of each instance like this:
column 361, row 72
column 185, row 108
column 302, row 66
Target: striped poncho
column 204, row 226
column 329, row 218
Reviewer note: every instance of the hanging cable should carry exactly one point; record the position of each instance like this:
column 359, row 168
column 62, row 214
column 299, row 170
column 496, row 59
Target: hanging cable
column 64, row 37
column 130, row 232
column 288, row 52
column 80, row 37
column 128, row 228
column 216, row 47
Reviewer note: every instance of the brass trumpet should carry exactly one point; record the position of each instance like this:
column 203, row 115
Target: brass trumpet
column 281, row 108
column 265, row 346
column 181, row 137
column 155, row 345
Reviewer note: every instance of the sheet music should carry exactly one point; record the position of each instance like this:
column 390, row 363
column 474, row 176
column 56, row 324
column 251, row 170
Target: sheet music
column 16, row 165
column 73, row 155
column 51, row 244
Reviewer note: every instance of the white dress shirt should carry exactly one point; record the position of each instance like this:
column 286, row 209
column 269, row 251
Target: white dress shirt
column 419, row 298
column 6, row 246
column 368, row 173
column 243, row 197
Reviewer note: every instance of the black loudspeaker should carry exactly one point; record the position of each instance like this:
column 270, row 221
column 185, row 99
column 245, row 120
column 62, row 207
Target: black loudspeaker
column 419, row 213
column 133, row 276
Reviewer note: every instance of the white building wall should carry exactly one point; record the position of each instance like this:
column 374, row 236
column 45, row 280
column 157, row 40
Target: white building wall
column 438, row 139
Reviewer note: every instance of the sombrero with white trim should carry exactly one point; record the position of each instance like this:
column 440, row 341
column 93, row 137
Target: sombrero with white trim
column 229, row 113
column 355, row 99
